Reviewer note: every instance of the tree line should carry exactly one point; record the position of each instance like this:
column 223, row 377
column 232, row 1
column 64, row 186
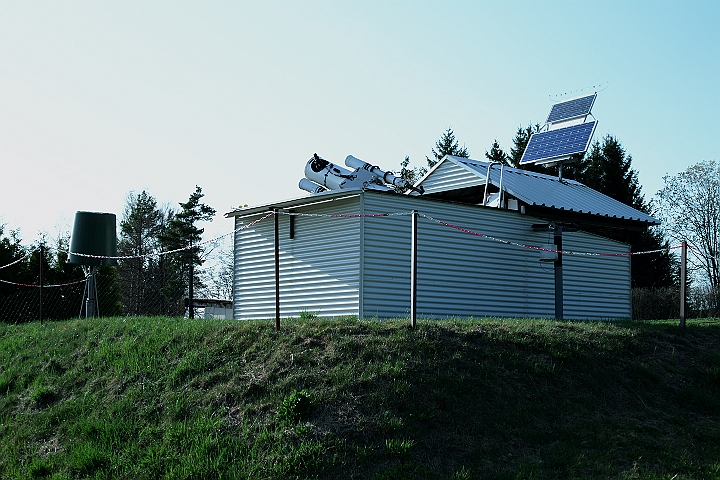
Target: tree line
column 149, row 282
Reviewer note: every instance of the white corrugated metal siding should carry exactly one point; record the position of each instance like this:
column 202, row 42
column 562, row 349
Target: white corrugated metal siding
column 459, row 274
column 361, row 266
column 449, row 176
column 319, row 268
column 596, row 286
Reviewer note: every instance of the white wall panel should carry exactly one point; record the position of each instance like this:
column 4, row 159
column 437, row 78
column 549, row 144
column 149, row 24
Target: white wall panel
column 596, row 286
column 319, row 267
column 361, row 266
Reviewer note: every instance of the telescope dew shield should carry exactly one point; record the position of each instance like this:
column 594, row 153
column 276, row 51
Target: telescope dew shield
column 93, row 234
column 309, row 186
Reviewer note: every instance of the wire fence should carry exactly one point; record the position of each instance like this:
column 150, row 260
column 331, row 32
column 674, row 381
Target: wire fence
column 154, row 285
column 115, row 294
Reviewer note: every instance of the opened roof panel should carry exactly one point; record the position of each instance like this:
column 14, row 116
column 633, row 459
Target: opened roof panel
column 549, row 191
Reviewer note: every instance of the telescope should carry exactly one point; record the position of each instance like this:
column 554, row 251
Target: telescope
column 321, row 174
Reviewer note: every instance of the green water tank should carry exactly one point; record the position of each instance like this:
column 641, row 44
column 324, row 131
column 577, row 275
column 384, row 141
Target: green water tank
column 93, row 234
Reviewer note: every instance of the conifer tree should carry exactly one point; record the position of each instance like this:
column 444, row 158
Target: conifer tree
column 409, row 174
column 139, row 229
column 609, row 171
column 447, row 145
column 496, row 154
column 182, row 232
column 520, row 141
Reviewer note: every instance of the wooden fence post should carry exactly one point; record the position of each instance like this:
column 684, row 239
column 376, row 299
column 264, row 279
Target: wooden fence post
column 42, row 255
column 683, row 282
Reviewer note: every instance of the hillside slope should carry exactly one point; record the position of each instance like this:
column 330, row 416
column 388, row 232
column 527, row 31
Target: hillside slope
column 173, row 398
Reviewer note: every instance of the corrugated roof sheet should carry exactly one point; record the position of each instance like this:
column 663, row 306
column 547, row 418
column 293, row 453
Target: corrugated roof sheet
column 546, row 191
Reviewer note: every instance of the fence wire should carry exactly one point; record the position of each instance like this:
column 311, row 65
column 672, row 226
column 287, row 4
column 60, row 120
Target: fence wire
column 152, row 285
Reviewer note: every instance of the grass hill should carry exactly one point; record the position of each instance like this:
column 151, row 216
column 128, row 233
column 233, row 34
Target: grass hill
column 508, row 399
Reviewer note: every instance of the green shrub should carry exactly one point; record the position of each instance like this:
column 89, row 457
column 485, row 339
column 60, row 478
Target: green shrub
column 294, row 407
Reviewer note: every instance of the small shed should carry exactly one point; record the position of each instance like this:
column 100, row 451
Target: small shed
column 348, row 252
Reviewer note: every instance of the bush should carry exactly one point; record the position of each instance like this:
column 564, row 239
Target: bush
column 294, row 407
column 655, row 303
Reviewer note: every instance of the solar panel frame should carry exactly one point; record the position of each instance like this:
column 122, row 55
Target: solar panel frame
column 559, row 144
column 575, row 108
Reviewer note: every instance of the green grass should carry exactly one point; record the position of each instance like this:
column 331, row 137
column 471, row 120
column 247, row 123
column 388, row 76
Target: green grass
column 326, row 399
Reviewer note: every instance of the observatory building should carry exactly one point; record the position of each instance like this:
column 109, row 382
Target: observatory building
column 490, row 240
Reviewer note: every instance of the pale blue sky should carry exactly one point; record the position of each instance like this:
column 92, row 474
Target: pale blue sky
column 100, row 98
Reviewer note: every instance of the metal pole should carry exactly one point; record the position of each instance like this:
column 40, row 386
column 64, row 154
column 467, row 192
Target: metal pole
column 277, row 270
column 191, row 289
column 683, row 282
column 558, row 274
column 413, row 271
column 90, row 303
column 42, row 255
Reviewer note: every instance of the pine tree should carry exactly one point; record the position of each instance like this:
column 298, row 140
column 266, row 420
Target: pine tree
column 182, row 233
column 496, row 154
column 447, row 145
column 410, row 175
column 139, row 229
column 11, row 249
column 609, row 171
column 520, row 142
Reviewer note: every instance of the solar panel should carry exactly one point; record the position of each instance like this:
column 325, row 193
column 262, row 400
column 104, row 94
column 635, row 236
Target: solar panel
column 545, row 147
column 574, row 108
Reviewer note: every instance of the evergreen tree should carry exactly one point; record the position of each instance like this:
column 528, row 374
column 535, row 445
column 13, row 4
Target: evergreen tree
column 496, row 154
column 182, row 233
column 520, row 141
column 410, row 175
column 608, row 169
column 139, row 229
column 447, row 145
column 11, row 250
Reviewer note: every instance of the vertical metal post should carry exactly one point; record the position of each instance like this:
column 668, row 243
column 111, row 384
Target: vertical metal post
column 42, row 255
column 277, row 270
column 413, row 271
column 558, row 274
column 683, row 282
column 191, row 287
column 91, row 300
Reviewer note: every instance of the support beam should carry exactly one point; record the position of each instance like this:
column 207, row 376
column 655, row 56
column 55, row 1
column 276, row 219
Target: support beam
column 558, row 273
column 277, row 270
column 413, row 271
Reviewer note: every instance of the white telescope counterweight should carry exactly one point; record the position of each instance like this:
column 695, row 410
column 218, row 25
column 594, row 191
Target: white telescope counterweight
column 320, row 173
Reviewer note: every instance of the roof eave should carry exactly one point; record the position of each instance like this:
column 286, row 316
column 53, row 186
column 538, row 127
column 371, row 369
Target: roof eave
column 327, row 196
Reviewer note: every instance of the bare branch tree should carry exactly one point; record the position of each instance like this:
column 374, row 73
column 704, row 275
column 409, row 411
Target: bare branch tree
column 689, row 206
